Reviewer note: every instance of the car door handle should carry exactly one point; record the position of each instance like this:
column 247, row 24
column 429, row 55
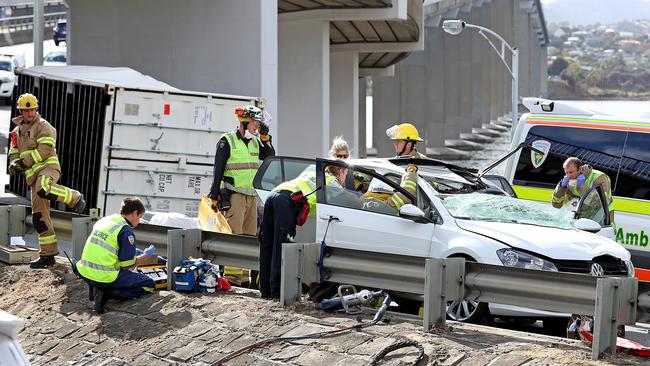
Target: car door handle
column 330, row 218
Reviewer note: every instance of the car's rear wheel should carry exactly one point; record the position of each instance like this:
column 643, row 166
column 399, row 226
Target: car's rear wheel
column 468, row 311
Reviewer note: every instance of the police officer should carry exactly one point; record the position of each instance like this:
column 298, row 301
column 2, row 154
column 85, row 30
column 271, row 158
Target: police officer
column 33, row 154
column 281, row 213
column 235, row 163
column 404, row 137
column 578, row 179
column 110, row 251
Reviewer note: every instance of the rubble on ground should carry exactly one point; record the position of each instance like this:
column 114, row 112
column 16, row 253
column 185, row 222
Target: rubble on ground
column 169, row 328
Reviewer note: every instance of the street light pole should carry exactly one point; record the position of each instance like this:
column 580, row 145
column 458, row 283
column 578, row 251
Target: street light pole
column 455, row 26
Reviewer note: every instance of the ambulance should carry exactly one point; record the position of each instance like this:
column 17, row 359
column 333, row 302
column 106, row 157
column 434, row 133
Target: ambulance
column 617, row 146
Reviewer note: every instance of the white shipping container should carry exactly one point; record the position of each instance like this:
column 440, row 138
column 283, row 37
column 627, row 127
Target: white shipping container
column 121, row 133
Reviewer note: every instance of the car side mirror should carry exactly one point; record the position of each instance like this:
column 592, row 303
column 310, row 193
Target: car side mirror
column 587, row 225
column 413, row 213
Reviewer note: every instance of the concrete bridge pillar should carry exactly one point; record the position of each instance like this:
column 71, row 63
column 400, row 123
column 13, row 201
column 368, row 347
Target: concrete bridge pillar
column 304, row 87
column 466, row 72
column 344, row 99
column 451, row 72
column 436, row 90
column 386, row 106
column 544, row 72
column 361, row 150
column 523, row 37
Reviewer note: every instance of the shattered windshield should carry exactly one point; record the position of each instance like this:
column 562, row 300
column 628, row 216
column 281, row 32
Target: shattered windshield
column 486, row 207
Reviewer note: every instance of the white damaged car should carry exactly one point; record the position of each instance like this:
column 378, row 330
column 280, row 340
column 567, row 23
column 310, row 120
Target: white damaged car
column 457, row 213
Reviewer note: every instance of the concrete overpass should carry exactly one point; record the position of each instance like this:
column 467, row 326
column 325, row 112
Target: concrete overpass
column 309, row 59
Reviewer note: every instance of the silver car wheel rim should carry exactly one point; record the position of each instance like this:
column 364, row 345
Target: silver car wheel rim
column 461, row 310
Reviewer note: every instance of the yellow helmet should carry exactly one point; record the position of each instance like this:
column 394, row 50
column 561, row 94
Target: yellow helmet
column 27, row 101
column 405, row 131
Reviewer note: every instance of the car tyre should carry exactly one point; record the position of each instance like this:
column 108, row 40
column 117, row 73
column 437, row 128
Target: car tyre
column 468, row 311
column 557, row 327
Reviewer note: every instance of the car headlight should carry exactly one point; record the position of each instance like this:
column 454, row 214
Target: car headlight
column 630, row 269
column 518, row 259
column 7, row 79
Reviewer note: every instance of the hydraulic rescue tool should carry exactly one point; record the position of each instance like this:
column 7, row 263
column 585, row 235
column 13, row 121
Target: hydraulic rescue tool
column 352, row 302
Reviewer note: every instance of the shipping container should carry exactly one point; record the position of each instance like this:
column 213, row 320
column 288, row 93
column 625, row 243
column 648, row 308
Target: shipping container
column 121, row 133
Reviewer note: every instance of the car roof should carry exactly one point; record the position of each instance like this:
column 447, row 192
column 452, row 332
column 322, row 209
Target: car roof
column 565, row 111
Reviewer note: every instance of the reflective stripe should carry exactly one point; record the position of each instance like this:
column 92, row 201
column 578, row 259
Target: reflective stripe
column 410, row 184
column 36, row 156
column 112, row 229
column 128, row 263
column 242, row 166
column 148, row 289
column 52, row 160
column 15, row 160
column 44, row 240
column 397, row 200
column 98, row 267
column 46, row 141
column 13, row 150
column 103, row 244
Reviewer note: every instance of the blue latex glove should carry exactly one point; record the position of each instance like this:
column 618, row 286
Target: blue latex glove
column 581, row 179
column 150, row 250
column 565, row 181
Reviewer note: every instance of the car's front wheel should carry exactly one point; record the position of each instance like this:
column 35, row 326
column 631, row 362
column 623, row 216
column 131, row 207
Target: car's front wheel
column 468, row 311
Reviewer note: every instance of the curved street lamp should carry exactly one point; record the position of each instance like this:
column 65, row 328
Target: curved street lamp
column 455, row 26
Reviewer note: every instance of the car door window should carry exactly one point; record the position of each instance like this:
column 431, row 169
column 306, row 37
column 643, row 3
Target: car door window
column 633, row 179
column 592, row 206
column 277, row 169
column 374, row 196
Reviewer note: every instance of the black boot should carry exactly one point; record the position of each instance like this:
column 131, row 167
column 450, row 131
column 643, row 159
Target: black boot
column 101, row 297
column 81, row 205
column 42, row 262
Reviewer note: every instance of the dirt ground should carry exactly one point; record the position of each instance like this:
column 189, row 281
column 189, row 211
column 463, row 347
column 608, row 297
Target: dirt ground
column 169, row 328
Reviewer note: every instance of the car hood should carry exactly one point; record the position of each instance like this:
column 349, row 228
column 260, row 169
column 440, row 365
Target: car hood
column 571, row 244
column 4, row 74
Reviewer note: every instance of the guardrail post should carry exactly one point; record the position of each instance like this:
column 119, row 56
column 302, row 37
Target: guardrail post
column 290, row 281
column 605, row 317
column 181, row 243
column 444, row 281
column 81, row 229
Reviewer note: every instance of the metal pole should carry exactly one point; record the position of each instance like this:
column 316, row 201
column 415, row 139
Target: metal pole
column 515, row 90
column 39, row 10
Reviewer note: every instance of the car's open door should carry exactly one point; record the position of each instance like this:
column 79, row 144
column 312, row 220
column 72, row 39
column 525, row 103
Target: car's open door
column 593, row 205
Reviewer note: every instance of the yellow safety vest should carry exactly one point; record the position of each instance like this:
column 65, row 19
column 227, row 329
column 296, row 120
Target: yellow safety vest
column 242, row 164
column 99, row 260
column 595, row 174
column 306, row 183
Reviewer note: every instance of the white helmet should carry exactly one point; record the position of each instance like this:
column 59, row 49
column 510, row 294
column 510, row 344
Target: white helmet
column 378, row 186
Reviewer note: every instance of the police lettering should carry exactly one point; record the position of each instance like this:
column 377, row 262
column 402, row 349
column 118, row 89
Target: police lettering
column 100, row 235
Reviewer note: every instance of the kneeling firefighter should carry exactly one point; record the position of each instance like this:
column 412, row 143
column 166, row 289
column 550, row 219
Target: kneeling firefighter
column 288, row 206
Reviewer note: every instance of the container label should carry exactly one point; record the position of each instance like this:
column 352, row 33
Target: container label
column 201, row 116
column 163, row 180
column 131, row 109
column 194, row 183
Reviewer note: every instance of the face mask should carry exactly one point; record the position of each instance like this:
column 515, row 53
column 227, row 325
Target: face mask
column 249, row 135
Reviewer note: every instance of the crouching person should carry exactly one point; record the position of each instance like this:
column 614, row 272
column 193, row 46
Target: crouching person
column 110, row 252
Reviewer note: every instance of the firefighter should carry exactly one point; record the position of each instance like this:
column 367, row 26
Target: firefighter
column 578, row 179
column 33, row 154
column 382, row 198
column 110, row 252
column 404, row 137
column 235, row 163
column 283, row 211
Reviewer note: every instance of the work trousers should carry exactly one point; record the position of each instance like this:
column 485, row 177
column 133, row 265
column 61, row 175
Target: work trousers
column 278, row 222
column 128, row 285
column 242, row 215
column 44, row 190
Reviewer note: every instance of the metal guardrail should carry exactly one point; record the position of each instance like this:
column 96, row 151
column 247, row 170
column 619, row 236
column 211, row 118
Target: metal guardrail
column 14, row 24
column 611, row 301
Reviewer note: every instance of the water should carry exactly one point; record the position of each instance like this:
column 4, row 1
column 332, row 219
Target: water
column 501, row 145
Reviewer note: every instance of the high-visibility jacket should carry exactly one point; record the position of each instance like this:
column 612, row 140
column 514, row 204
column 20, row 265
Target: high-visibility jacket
column 409, row 183
column 99, row 260
column 306, row 183
column 35, row 144
column 242, row 165
column 594, row 177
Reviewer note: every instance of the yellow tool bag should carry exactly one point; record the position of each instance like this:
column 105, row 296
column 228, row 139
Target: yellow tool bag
column 210, row 220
